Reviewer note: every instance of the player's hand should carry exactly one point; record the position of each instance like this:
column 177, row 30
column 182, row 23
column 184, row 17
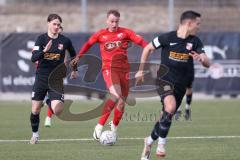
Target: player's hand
column 48, row 46
column 196, row 56
column 139, row 77
column 74, row 62
column 74, row 75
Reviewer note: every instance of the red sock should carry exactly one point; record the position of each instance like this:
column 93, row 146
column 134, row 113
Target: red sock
column 107, row 108
column 49, row 112
column 117, row 116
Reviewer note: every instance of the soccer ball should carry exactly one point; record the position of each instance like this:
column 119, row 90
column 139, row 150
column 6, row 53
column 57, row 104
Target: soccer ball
column 108, row 138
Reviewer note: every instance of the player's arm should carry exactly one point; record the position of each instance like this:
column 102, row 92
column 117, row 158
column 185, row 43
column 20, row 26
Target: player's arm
column 156, row 43
column 148, row 49
column 202, row 58
column 71, row 52
column 38, row 50
column 137, row 39
column 93, row 39
column 199, row 55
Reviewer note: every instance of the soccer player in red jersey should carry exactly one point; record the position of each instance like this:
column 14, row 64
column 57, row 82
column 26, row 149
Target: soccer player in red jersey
column 114, row 42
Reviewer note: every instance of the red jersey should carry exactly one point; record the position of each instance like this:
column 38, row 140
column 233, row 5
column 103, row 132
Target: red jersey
column 113, row 47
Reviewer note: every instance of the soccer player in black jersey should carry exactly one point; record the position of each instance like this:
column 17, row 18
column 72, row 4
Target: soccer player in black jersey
column 179, row 49
column 48, row 52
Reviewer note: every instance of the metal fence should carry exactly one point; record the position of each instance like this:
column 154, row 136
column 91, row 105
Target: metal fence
column 141, row 15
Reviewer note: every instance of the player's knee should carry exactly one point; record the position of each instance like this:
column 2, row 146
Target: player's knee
column 36, row 109
column 115, row 97
column 58, row 110
column 57, row 107
column 170, row 104
column 121, row 105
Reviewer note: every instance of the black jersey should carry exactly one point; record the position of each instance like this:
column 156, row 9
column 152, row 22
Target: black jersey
column 47, row 62
column 175, row 55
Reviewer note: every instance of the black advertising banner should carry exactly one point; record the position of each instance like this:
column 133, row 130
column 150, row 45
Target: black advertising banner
column 223, row 77
column 17, row 69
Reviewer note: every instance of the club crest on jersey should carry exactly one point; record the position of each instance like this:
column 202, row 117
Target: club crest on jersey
column 189, row 46
column 104, row 37
column 60, row 46
column 120, row 35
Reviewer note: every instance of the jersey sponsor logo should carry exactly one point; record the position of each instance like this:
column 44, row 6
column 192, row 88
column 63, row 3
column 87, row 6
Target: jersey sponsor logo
column 156, row 42
column 60, row 47
column 189, row 46
column 52, row 56
column 35, row 48
column 172, row 44
column 182, row 57
column 109, row 46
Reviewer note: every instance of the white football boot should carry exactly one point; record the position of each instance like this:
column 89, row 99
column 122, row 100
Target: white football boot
column 146, row 150
column 47, row 122
column 97, row 132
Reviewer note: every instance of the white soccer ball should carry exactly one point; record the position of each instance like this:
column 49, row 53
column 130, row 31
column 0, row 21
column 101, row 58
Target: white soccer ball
column 108, row 138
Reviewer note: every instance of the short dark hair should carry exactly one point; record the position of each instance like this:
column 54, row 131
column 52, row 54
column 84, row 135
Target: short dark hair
column 189, row 15
column 114, row 12
column 53, row 16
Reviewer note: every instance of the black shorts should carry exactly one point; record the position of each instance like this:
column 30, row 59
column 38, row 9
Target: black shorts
column 41, row 87
column 166, row 88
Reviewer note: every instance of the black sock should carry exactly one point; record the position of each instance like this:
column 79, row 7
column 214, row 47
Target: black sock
column 34, row 119
column 155, row 131
column 165, row 124
column 189, row 99
column 48, row 102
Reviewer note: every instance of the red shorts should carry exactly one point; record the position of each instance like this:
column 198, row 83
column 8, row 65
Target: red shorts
column 112, row 77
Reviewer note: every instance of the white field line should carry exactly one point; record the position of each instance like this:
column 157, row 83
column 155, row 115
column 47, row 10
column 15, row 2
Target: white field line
column 136, row 138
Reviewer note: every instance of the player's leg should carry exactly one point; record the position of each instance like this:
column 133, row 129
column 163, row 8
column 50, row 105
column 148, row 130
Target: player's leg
column 164, row 89
column 55, row 104
column 110, row 79
column 178, row 113
column 57, row 101
column 171, row 103
column 188, row 103
column 160, row 129
column 122, row 94
column 119, row 109
column 163, row 126
column 47, row 122
column 38, row 95
column 35, row 120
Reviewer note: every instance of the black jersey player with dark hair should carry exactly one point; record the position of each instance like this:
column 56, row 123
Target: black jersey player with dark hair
column 48, row 52
column 179, row 49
